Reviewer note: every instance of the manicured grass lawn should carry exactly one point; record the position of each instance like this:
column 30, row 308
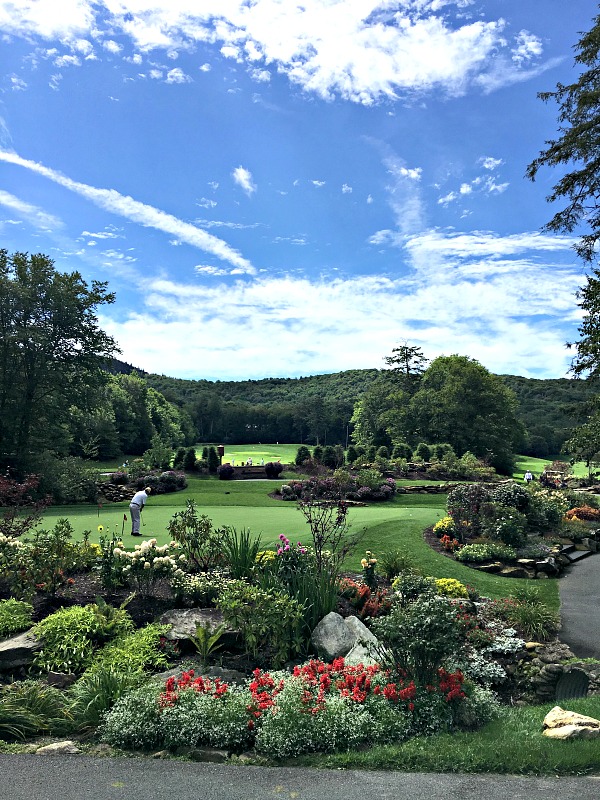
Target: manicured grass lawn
column 246, row 504
column 286, row 453
column 536, row 466
column 512, row 744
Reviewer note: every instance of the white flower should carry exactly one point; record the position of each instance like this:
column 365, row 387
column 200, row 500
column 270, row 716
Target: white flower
column 147, row 565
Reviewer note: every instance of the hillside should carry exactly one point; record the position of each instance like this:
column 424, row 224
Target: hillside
column 320, row 406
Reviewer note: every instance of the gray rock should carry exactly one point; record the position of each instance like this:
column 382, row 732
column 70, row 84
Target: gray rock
column 183, row 621
column 332, row 638
column 18, row 651
column 67, row 748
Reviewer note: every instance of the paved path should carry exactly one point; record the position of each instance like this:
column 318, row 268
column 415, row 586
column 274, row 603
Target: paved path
column 31, row 777
column 579, row 592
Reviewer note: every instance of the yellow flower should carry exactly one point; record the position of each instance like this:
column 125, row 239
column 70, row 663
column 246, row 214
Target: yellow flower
column 100, row 528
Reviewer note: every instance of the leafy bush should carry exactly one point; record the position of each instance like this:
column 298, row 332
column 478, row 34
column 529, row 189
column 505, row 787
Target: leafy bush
column 135, row 652
column 197, row 590
column 450, row 587
column 504, row 524
column 302, row 455
column 487, row 551
column 264, row 616
column 119, row 478
column 95, row 693
column 15, row 616
column 513, row 495
column 410, row 587
column 418, row 638
column 546, row 507
column 200, row 543
column 273, row 469
column 134, row 721
column 444, row 527
column 189, row 460
column 464, row 504
column 402, row 450
column 71, row 635
column 529, row 615
column 225, row 472
column 584, row 513
column 147, row 564
column 41, row 563
column 422, row 451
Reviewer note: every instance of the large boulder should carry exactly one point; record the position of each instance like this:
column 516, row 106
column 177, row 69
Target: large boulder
column 561, row 724
column 336, row 637
column 183, row 623
column 332, row 638
column 360, row 653
column 18, row 651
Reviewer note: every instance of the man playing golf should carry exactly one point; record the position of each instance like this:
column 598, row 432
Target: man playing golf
column 138, row 501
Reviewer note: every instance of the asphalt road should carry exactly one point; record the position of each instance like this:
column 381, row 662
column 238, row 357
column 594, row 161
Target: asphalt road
column 579, row 603
column 33, row 777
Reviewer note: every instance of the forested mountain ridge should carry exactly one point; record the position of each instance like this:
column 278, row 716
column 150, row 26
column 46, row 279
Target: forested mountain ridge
column 320, row 406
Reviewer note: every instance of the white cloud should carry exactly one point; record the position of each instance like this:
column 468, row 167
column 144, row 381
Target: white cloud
column 243, row 178
column 32, row 214
column 318, row 184
column 17, row 84
column 487, row 315
column 487, row 162
column 67, row 61
column 113, row 47
column 369, row 199
column 177, row 75
column 205, row 68
column 346, row 189
column 361, row 51
column 205, row 202
column 208, row 270
column 148, row 216
column 155, row 74
column 528, row 46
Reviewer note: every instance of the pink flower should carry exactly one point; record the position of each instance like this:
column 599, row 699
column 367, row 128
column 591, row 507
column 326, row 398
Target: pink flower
column 279, row 551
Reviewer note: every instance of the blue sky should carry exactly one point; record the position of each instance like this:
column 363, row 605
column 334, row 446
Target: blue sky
column 281, row 188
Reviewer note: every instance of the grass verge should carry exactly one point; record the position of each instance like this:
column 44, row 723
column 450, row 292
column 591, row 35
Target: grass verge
column 512, row 744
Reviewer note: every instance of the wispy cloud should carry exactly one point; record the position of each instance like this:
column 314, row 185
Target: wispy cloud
column 146, row 215
column 243, row 178
column 32, row 214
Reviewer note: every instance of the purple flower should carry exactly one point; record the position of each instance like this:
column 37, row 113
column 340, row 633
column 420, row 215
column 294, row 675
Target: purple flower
column 279, row 551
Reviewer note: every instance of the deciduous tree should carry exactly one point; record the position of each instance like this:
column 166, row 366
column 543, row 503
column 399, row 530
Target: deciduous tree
column 52, row 353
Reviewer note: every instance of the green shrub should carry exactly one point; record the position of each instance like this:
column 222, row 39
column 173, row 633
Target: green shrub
column 15, row 616
column 411, row 586
column 503, row 524
column 197, row 590
column 512, row 494
column 261, row 616
column 419, row 637
column 529, row 615
column 71, row 635
column 422, row 452
column 450, row 587
column 200, row 543
column 487, row 551
column 135, row 652
column 134, row 722
column 302, row 455
column 464, row 504
column 199, row 719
